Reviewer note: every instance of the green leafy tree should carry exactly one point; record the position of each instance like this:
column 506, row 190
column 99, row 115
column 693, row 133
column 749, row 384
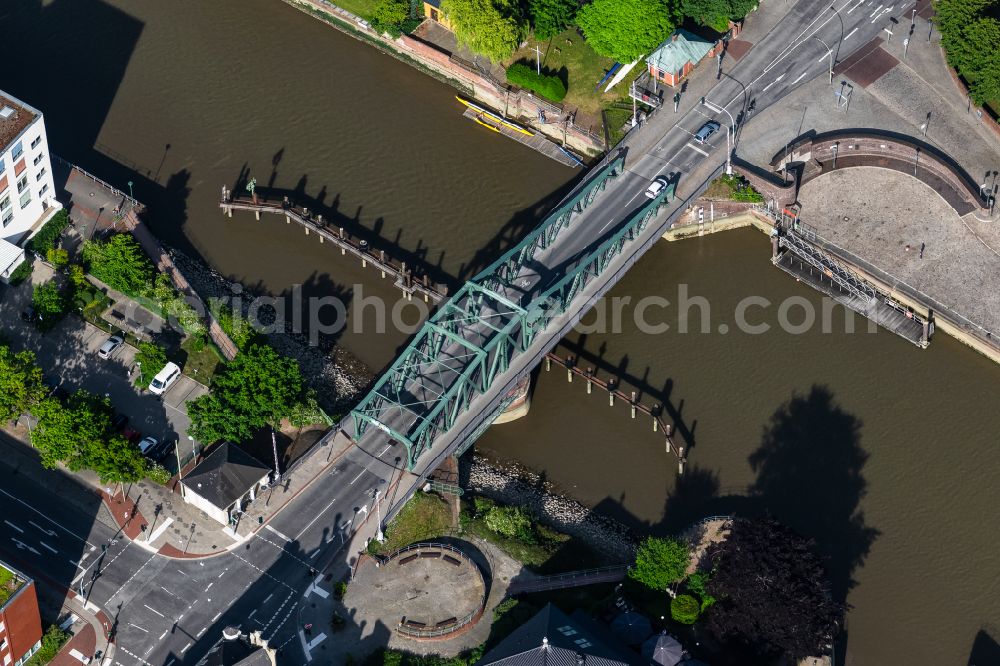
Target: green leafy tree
column 712, row 13
column 52, row 641
column 966, row 29
column 20, row 383
column 550, row 17
column 57, row 257
column 79, row 434
column 50, row 303
column 257, row 388
column 685, row 609
column 660, row 562
column 150, row 358
column 120, row 263
column 697, row 583
column 626, row 29
column 388, row 15
column 492, row 28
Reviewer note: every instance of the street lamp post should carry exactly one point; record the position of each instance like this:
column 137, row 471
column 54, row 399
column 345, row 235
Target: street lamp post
column 130, row 196
column 730, row 143
column 138, row 364
column 379, row 536
column 830, row 52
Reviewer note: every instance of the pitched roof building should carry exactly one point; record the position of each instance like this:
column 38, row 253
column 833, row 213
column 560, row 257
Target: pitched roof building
column 221, row 483
column 677, row 56
column 552, row 638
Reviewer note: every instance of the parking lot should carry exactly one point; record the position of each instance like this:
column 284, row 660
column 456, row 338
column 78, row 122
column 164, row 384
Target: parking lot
column 68, row 356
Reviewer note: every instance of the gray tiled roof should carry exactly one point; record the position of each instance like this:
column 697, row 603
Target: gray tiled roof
column 225, row 475
column 551, row 638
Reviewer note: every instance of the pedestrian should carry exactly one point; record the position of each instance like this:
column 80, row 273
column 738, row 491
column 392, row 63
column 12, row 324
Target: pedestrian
column 922, row 246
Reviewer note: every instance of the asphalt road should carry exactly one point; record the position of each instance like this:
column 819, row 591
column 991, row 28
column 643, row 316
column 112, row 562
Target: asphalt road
column 171, row 611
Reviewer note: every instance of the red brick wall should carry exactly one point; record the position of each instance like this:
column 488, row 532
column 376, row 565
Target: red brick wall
column 22, row 623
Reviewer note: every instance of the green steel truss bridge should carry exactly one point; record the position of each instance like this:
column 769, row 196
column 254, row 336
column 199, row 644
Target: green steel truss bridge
column 454, row 377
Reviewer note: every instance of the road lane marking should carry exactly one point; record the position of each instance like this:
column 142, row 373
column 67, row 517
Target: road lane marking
column 254, row 611
column 201, row 633
column 382, row 452
column 51, row 533
column 695, row 148
column 138, row 627
column 266, row 599
column 67, row 530
column 872, row 15
column 217, row 616
column 45, row 545
column 23, row 546
column 181, row 572
column 271, row 529
column 162, row 635
column 14, row 526
column 823, row 57
column 168, row 592
column 310, row 523
column 850, row 33
column 801, row 76
column 155, row 611
column 860, row 2
column 355, row 478
column 764, row 89
column 210, row 586
column 184, row 649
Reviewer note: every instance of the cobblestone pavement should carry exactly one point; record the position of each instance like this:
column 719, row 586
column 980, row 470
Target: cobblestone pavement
column 890, row 216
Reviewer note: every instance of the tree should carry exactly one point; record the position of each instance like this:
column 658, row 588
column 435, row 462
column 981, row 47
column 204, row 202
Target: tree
column 626, row 29
column 79, row 434
column 712, row 13
column 57, row 257
column 120, row 263
column 49, row 303
column 257, row 388
column 492, row 28
column 965, row 31
column 772, row 591
column 510, row 521
column 389, row 14
column 150, row 358
column 684, row 609
column 20, row 383
column 550, row 17
column 660, row 562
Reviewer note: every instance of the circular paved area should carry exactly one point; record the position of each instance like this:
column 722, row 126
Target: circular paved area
column 424, row 588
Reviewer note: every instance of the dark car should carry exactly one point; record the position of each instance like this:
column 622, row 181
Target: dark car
column 131, row 434
column 119, row 422
column 163, row 450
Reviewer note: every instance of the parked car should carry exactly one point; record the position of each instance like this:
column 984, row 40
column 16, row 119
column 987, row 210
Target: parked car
column 148, row 445
column 164, row 449
column 131, row 434
column 164, row 379
column 110, row 346
column 656, row 187
column 706, row 131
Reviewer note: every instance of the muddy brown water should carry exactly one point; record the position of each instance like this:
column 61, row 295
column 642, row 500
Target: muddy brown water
column 884, row 453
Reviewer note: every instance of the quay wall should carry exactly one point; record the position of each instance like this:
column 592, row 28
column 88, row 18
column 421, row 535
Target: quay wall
column 480, row 85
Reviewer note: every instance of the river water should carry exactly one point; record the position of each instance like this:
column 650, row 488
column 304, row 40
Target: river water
column 882, row 452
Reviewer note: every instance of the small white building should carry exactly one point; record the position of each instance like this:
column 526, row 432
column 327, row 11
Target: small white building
column 27, row 190
column 224, row 482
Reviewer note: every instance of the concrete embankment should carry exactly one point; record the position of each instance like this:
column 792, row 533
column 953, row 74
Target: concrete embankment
column 337, row 376
column 512, row 484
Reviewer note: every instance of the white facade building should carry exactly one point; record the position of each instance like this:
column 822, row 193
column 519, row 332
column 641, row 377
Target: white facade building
column 27, row 190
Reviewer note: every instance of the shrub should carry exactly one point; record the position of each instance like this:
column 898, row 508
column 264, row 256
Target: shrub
column 696, row 583
column 52, row 641
column 21, row 273
column 157, row 473
column 482, row 504
column 685, row 609
column 340, row 589
column 504, row 607
column 57, row 257
column 49, row 234
column 238, row 329
column 120, row 263
column 547, row 85
column 510, row 521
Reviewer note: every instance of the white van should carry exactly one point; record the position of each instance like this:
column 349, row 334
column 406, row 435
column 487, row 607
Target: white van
column 164, row 379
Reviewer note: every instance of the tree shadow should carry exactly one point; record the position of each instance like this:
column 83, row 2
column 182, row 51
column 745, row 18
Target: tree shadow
column 809, row 476
column 985, row 649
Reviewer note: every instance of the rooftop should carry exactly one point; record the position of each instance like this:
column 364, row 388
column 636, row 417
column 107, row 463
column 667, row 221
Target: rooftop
column 11, row 581
column 225, row 475
column 13, row 122
column 680, row 48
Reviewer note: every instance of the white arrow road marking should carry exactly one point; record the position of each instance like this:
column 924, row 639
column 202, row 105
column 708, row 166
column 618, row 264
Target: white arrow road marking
column 23, row 546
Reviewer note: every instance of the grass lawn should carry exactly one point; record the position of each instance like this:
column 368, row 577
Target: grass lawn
column 200, row 364
column 584, row 69
column 362, row 8
column 8, row 584
column 424, row 517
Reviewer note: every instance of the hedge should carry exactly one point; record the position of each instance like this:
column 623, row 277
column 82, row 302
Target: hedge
column 548, row 86
column 48, row 235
